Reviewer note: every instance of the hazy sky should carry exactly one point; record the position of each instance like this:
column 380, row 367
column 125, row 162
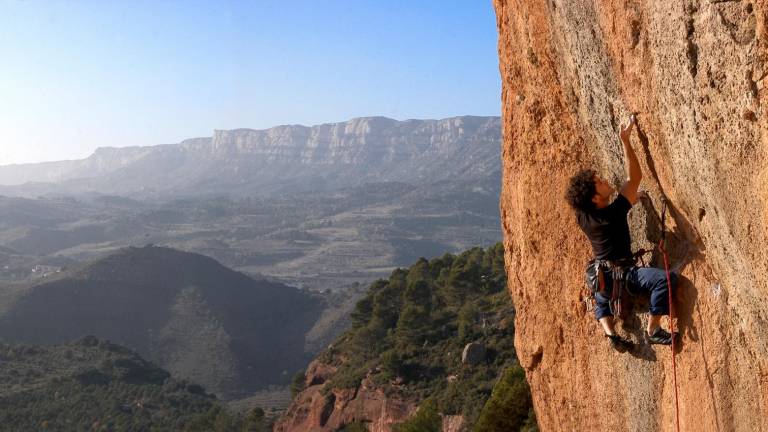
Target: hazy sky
column 76, row 75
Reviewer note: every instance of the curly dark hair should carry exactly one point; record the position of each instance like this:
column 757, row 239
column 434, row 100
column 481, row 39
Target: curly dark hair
column 581, row 189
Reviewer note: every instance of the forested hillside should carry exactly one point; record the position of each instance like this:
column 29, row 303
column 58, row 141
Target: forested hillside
column 95, row 385
column 191, row 315
column 438, row 335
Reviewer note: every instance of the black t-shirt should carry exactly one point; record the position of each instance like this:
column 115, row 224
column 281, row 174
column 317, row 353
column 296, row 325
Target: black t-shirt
column 608, row 230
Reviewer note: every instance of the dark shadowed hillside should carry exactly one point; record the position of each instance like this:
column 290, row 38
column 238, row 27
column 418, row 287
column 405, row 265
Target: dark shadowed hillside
column 95, row 385
column 193, row 316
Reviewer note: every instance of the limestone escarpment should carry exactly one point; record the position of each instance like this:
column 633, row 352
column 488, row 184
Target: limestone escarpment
column 695, row 72
column 255, row 161
column 103, row 161
column 361, row 140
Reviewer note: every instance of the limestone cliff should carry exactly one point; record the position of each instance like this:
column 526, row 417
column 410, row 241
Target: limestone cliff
column 369, row 149
column 695, row 72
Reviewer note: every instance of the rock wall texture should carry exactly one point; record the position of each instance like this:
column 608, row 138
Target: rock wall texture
column 379, row 409
column 695, row 72
column 314, row 411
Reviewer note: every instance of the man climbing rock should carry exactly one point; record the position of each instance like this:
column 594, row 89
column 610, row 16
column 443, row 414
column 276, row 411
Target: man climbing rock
column 604, row 221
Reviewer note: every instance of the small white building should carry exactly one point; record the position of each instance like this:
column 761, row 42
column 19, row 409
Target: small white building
column 39, row 271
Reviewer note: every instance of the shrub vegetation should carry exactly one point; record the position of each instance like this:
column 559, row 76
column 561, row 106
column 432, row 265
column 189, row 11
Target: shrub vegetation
column 99, row 386
column 409, row 331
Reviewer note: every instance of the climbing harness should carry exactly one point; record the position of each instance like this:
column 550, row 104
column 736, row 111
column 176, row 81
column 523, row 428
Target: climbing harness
column 595, row 278
column 671, row 307
column 619, row 272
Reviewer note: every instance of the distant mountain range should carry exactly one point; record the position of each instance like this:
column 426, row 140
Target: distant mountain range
column 278, row 160
column 186, row 312
column 322, row 207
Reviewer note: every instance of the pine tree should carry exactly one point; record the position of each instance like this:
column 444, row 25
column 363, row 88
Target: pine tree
column 508, row 408
column 426, row 419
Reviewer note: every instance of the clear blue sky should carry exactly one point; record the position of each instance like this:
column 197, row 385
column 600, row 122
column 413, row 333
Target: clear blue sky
column 77, row 75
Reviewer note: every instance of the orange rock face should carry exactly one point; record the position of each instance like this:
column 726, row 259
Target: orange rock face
column 695, row 72
column 313, row 411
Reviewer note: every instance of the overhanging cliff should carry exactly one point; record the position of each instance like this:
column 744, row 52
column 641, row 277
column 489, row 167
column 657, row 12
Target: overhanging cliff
column 695, row 72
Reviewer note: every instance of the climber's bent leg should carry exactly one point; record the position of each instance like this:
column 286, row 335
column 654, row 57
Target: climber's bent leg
column 653, row 281
column 607, row 323
column 602, row 308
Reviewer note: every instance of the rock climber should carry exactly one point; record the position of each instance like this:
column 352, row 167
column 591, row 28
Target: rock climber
column 604, row 221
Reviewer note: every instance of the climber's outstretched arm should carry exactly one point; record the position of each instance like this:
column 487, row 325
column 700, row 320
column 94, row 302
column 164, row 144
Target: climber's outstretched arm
column 634, row 174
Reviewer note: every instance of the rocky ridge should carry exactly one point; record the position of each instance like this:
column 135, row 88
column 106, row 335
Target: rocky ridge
column 316, row 411
column 260, row 161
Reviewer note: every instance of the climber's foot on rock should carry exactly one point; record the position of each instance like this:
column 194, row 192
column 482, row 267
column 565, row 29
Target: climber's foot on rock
column 660, row 337
column 620, row 344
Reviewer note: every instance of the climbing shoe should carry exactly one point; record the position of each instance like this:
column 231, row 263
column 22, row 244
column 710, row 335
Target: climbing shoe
column 660, row 337
column 620, row 344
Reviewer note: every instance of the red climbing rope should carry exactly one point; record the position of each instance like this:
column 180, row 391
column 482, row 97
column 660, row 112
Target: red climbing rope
column 671, row 312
